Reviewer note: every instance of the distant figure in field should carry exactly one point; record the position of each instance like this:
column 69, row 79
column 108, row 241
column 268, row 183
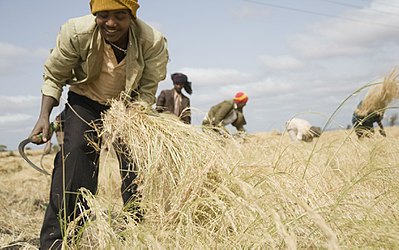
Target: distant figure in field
column 371, row 109
column 301, row 130
column 174, row 101
column 364, row 124
column 227, row 112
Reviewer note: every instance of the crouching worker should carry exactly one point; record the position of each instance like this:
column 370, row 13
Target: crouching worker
column 364, row 123
column 227, row 112
column 301, row 130
column 174, row 101
column 102, row 56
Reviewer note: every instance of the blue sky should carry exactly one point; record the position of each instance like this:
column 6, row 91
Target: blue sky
column 293, row 58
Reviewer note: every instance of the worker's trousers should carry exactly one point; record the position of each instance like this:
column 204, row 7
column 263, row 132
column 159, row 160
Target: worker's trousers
column 75, row 167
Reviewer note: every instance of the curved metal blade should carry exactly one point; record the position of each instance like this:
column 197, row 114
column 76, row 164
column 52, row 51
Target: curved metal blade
column 21, row 149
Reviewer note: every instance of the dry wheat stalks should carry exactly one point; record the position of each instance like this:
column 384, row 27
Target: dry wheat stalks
column 380, row 96
column 163, row 147
column 349, row 195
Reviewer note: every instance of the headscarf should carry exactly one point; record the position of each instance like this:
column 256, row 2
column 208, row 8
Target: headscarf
column 182, row 78
column 241, row 97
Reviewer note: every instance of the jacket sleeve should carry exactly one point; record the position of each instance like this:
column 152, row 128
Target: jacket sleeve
column 240, row 122
column 160, row 106
column 155, row 59
column 62, row 59
column 240, row 128
column 221, row 113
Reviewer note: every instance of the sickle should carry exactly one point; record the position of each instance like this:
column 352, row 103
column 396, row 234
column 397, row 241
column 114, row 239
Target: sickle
column 21, row 149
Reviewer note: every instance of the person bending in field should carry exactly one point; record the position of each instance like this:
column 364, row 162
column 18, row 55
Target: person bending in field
column 301, row 130
column 227, row 112
column 371, row 109
column 174, row 101
column 102, row 56
column 364, row 124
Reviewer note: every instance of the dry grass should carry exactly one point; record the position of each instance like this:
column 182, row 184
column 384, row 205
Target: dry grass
column 205, row 192
column 380, row 96
column 201, row 191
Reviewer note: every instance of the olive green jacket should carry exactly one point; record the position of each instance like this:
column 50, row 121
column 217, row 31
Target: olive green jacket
column 78, row 54
column 221, row 111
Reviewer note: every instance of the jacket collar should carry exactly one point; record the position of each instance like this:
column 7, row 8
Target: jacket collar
column 132, row 64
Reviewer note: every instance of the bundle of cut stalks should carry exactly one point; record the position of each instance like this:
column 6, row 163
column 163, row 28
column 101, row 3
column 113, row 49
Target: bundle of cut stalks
column 175, row 162
column 380, row 96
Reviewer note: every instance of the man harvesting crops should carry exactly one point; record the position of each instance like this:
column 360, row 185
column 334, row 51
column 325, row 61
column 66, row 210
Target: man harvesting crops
column 372, row 108
column 101, row 56
column 301, row 130
column 174, row 101
column 364, row 124
column 227, row 112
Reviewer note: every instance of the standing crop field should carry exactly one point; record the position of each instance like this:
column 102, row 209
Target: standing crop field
column 201, row 191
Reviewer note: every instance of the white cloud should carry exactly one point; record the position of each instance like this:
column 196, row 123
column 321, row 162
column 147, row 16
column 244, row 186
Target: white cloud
column 322, row 47
column 249, row 12
column 41, row 52
column 8, row 119
column 215, row 77
column 25, row 100
column 18, row 101
column 8, row 54
column 271, row 87
column 8, row 50
column 345, row 36
column 281, row 62
column 384, row 7
column 19, row 104
column 12, row 57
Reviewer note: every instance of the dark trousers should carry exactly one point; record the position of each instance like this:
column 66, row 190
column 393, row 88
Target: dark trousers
column 76, row 166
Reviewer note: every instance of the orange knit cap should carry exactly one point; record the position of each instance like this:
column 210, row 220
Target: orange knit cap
column 241, row 97
column 107, row 5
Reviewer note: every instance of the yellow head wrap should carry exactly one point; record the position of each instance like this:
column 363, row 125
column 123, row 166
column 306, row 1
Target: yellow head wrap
column 107, row 5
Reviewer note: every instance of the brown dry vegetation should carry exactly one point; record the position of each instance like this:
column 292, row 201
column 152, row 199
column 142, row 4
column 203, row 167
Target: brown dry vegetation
column 336, row 192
